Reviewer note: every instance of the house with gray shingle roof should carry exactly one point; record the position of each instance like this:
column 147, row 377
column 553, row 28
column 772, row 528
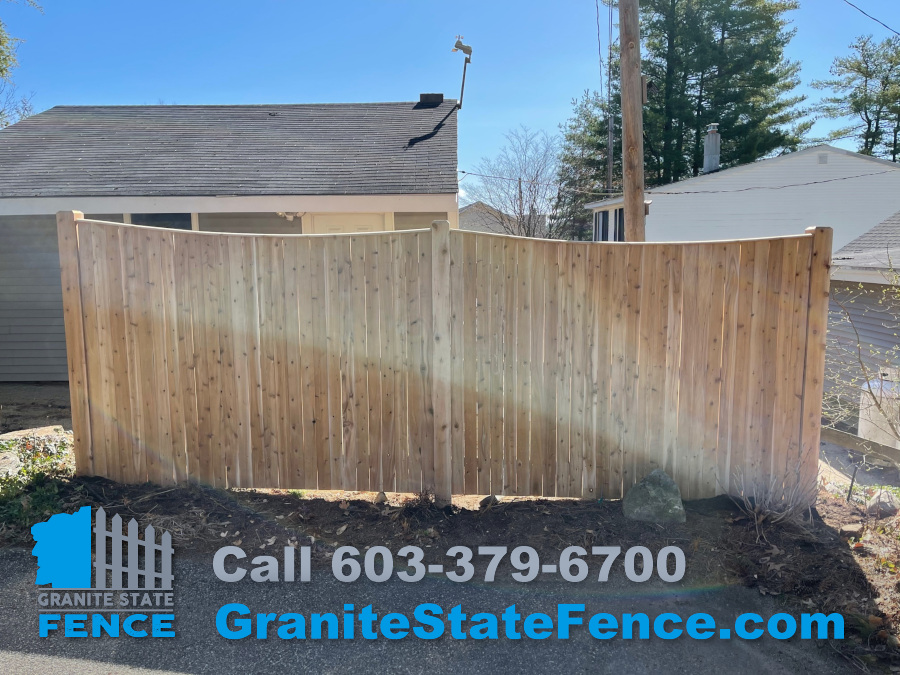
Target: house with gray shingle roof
column 306, row 168
column 864, row 326
column 871, row 257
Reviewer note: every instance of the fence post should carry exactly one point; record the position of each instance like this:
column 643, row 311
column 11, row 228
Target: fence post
column 67, row 233
column 814, row 368
column 441, row 369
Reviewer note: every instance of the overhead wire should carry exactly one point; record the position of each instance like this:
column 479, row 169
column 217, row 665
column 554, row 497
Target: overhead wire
column 875, row 19
column 653, row 191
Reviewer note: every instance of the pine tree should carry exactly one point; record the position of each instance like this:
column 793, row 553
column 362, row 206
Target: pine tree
column 866, row 90
column 718, row 61
column 582, row 163
column 707, row 61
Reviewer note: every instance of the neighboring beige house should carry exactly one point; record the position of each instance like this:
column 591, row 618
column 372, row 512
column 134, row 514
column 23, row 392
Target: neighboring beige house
column 311, row 168
column 479, row 217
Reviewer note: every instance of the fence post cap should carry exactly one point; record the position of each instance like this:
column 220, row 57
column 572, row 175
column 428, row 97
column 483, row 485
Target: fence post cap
column 64, row 215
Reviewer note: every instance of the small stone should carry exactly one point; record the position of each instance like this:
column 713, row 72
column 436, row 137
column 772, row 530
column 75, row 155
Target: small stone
column 853, row 530
column 489, row 501
column 381, row 498
column 656, row 499
column 883, row 505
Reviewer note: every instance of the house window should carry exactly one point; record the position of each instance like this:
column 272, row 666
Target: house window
column 604, row 230
column 176, row 221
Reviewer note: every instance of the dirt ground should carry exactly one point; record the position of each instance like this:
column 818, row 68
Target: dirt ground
column 808, row 568
column 26, row 405
column 812, row 567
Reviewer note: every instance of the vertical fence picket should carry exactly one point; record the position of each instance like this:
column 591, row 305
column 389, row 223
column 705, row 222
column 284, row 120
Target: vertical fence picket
column 320, row 364
column 294, row 467
column 551, row 367
column 353, row 372
column 521, row 359
column 416, row 365
column 481, row 356
column 133, row 554
column 508, row 355
column 813, row 381
column 389, row 368
column 460, row 318
column 370, row 474
column 578, row 373
column 73, row 321
column 538, row 410
column 100, row 565
column 402, row 373
column 116, row 567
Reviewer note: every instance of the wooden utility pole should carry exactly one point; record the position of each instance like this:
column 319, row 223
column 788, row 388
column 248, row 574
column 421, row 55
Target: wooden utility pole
column 632, row 119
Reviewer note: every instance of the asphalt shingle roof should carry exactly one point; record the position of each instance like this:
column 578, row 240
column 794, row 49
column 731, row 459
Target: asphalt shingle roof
column 307, row 149
column 877, row 248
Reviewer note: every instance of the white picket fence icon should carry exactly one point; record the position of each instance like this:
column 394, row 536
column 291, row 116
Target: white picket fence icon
column 130, row 544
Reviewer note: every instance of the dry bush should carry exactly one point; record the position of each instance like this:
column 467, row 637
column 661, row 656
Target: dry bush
column 773, row 504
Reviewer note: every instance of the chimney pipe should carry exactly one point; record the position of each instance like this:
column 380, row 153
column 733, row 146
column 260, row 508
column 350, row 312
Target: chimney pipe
column 711, row 149
column 431, row 99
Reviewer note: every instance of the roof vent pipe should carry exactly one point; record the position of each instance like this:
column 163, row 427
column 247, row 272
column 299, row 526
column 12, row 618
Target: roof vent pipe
column 712, row 146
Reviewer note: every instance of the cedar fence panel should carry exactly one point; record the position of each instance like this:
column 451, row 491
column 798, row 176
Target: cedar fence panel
column 443, row 360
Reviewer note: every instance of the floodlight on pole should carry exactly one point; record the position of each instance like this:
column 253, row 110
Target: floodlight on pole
column 467, row 50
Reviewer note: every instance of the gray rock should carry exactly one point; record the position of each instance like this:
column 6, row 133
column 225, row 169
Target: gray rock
column 656, row 499
column 489, row 501
column 9, row 463
column 883, row 505
column 853, row 530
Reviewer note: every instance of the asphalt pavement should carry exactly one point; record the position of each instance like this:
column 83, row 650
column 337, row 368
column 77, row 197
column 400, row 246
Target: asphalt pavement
column 198, row 648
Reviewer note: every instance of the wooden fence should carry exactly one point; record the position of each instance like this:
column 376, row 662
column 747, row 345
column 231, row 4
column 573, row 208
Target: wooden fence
column 434, row 359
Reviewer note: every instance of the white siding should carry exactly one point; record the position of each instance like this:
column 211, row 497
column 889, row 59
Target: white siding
column 852, row 206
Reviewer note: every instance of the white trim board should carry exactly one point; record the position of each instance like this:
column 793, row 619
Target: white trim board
column 30, row 206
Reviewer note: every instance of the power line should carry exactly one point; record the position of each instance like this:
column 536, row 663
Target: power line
column 862, row 11
column 651, row 191
column 768, row 187
column 601, row 193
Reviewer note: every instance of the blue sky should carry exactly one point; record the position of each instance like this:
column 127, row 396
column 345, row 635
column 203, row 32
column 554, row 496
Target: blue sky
column 530, row 58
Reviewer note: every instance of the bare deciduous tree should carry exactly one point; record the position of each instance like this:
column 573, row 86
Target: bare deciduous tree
column 13, row 105
column 519, row 184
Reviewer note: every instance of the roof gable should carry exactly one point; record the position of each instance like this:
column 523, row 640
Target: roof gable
column 774, row 172
column 309, row 149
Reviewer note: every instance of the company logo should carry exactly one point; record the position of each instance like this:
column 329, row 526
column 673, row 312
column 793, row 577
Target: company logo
column 132, row 577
